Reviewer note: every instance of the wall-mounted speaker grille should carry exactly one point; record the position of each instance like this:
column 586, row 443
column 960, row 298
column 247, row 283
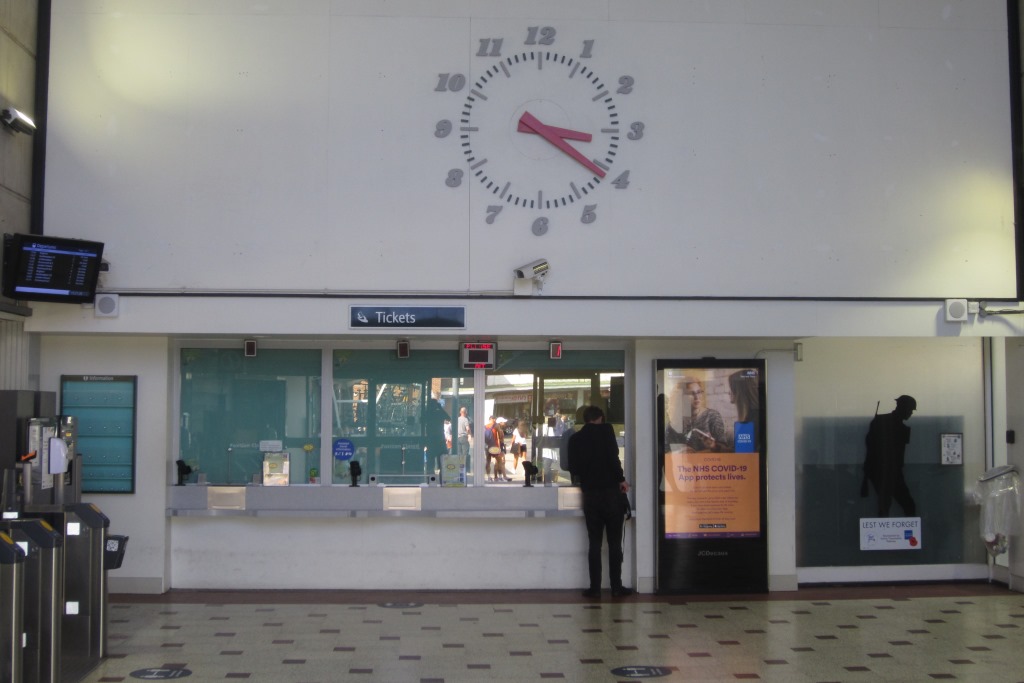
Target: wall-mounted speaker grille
column 956, row 310
column 107, row 305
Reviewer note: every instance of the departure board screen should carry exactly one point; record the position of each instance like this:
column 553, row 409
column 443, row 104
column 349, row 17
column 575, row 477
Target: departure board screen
column 43, row 268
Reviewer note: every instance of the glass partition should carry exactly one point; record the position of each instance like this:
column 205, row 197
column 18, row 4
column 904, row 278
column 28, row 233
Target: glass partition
column 394, row 416
column 236, row 409
column 404, row 421
column 543, row 405
column 842, row 385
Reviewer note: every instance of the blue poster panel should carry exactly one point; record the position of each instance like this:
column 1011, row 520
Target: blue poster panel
column 712, row 521
column 104, row 409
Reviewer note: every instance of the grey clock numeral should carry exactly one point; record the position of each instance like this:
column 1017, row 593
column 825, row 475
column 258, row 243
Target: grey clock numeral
column 490, row 47
column 626, row 84
column 454, row 178
column 540, row 35
column 588, row 49
column 589, row 214
column 636, row 130
column 492, row 212
column 443, row 128
column 450, row 82
column 622, row 181
column 540, row 226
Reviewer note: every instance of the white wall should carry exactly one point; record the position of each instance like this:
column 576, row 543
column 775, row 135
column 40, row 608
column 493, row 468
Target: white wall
column 140, row 515
column 862, row 147
column 540, row 317
column 379, row 553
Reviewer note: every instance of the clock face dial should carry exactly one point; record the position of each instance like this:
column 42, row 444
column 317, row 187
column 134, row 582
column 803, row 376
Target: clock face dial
column 539, row 130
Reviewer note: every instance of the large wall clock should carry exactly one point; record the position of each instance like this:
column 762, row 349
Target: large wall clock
column 539, row 130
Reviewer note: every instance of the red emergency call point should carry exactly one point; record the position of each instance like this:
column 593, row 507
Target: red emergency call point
column 555, row 350
column 402, row 348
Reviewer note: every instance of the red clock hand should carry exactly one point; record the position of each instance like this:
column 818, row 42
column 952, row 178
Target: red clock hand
column 549, row 134
column 563, row 133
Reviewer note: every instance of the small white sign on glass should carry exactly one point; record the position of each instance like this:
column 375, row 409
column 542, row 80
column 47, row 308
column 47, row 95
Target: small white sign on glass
column 952, row 448
column 890, row 533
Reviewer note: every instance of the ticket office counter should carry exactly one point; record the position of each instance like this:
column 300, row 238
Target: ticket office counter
column 375, row 501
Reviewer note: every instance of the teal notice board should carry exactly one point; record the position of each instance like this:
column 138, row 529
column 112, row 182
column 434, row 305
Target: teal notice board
column 104, row 406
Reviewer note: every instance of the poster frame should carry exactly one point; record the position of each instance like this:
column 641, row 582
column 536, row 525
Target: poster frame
column 706, row 557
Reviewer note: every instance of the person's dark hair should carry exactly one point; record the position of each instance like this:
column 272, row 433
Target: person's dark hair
column 591, row 413
column 744, row 388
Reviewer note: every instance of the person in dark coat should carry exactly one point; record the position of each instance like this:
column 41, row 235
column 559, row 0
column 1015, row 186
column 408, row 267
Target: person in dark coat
column 594, row 460
column 886, row 443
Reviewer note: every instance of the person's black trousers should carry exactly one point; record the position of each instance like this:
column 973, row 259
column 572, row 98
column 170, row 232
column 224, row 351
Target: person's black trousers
column 605, row 516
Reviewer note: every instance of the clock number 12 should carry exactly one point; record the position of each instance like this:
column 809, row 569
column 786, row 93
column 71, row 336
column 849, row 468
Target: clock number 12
column 546, row 33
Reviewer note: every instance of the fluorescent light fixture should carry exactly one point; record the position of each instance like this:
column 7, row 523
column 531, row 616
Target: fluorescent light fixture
column 15, row 120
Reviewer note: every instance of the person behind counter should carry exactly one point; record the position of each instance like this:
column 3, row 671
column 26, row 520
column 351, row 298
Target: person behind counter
column 494, row 441
column 465, row 431
column 520, row 445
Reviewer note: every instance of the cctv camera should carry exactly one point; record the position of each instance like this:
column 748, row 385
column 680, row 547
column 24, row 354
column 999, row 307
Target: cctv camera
column 535, row 270
column 17, row 121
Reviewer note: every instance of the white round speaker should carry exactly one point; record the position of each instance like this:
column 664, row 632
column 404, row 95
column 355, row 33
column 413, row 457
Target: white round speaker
column 956, row 310
column 106, row 305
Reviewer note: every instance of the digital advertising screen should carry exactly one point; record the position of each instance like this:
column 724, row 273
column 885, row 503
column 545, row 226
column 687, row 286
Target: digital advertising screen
column 712, row 530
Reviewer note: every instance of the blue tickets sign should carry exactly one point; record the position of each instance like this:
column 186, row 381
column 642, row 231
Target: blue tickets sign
column 407, row 317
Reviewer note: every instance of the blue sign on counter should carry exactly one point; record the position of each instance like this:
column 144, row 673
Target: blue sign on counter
column 407, row 317
column 344, row 449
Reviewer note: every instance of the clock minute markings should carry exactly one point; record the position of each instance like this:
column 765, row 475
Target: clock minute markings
column 580, row 188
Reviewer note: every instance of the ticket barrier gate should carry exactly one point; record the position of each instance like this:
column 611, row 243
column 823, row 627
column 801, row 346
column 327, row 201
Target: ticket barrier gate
column 84, row 618
column 43, row 597
column 12, row 561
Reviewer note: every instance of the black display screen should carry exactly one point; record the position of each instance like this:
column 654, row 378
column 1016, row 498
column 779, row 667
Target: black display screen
column 43, row 268
column 478, row 355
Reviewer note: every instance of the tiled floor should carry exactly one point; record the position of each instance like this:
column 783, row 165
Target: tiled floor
column 959, row 632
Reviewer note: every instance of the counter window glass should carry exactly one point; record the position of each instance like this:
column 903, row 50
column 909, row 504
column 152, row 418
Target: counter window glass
column 403, row 420
column 398, row 417
column 538, row 402
column 235, row 409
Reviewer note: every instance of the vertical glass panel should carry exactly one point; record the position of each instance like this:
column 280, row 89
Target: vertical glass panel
column 350, row 407
column 543, row 400
column 399, row 408
column 842, row 384
column 390, row 415
column 236, row 409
